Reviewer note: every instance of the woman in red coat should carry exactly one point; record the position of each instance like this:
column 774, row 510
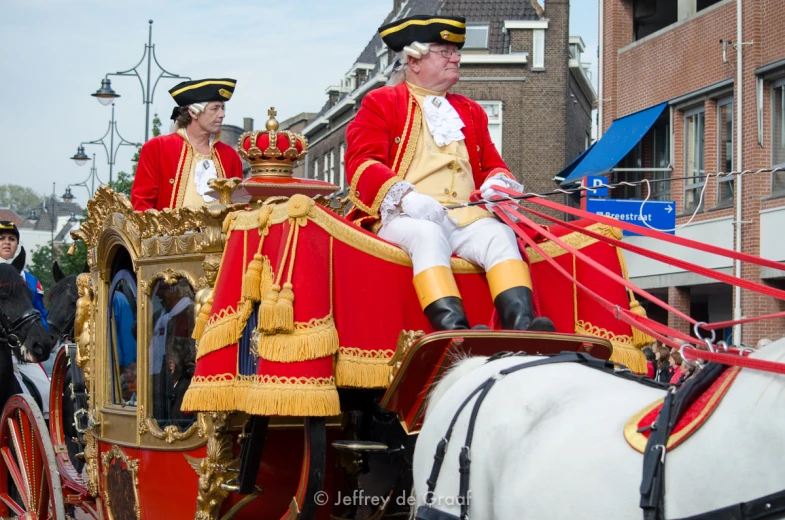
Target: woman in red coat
column 174, row 169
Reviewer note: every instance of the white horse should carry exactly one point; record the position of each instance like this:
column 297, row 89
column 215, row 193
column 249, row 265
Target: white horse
column 549, row 444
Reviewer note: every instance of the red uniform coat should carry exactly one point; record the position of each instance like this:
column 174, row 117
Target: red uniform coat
column 383, row 135
column 164, row 164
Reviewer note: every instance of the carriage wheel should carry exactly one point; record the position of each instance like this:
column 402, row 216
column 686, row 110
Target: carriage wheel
column 29, row 482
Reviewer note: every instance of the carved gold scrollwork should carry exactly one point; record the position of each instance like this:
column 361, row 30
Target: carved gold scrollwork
column 224, row 187
column 91, row 455
column 406, row 339
column 170, row 433
column 154, row 233
column 84, row 323
column 169, row 277
column 338, row 205
column 212, row 469
column 132, row 466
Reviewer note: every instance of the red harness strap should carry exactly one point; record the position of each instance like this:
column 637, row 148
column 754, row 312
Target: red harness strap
column 647, row 325
column 734, row 358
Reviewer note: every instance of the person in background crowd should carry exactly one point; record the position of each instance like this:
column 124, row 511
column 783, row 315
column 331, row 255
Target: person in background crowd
column 676, row 361
column 650, row 360
column 9, row 244
column 662, row 369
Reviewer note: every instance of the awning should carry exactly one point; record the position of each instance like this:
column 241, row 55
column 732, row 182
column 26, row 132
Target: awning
column 621, row 137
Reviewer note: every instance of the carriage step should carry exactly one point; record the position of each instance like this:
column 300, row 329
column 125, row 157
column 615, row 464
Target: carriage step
column 363, row 446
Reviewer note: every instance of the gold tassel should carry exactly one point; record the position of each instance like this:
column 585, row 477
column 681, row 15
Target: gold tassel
column 351, row 372
column 267, row 310
column 629, row 356
column 284, row 310
column 202, row 319
column 252, row 279
column 304, row 344
column 639, row 338
column 266, row 281
column 216, row 396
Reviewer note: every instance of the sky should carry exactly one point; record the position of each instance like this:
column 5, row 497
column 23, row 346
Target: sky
column 283, row 54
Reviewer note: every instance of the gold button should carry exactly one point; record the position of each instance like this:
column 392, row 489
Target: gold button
column 171, row 181
column 457, row 168
column 454, row 194
column 478, row 147
column 450, row 166
column 357, row 194
column 446, row 191
column 397, row 140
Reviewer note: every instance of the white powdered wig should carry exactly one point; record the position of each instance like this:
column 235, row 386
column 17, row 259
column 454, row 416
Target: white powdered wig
column 197, row 108
column 401, row 62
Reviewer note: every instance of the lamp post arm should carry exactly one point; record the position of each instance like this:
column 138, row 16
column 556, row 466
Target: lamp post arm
column 135, row 73
column 165, row 75
column 102, row 143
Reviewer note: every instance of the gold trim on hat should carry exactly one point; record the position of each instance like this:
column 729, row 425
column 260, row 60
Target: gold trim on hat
column 404, row 25
column 452, row 37
column 202, row 84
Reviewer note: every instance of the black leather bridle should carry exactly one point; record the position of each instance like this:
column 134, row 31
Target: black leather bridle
column 14, row 330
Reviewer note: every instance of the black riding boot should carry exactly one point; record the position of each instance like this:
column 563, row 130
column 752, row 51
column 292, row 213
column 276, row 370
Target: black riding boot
column 447, row 314
column 516, row 310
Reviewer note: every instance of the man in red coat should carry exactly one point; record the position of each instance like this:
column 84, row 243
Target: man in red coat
column 413, row 148
column 173, row 169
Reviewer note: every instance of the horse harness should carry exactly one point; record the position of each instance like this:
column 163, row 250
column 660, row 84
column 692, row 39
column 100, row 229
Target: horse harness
column 653, row 482
column 12, row 329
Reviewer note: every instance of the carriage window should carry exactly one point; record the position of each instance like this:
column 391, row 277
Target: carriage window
column 172, row 355
column 122, row 338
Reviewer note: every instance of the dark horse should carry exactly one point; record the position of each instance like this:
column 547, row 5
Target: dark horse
column 22, row 329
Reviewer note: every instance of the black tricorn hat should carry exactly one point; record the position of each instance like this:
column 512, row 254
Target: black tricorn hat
column 201, row 91
column 424, row 29
column 8, row 226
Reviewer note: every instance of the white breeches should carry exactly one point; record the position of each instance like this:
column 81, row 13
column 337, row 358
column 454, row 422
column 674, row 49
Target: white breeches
column 485, row 242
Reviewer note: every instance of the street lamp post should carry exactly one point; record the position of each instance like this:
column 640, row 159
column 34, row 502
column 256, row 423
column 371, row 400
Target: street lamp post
column 106, row 94
column 53, row 214
column 81, row 158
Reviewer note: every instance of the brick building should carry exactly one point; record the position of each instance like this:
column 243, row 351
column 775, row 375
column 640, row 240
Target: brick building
column 518, row 62
column 717, row 69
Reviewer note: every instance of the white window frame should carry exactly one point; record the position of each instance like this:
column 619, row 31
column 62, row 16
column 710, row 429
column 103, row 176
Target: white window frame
column 777, row 119
column 538, row 49
column 661, row 190
column 342, row 170
column 724, row 102
column 697, row 184
column 315, row 174
column 487, row 27
column 383, row 56
column 500, row 123
column 332, row 166
column 326, row 168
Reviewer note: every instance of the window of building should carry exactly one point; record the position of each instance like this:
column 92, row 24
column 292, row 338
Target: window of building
column 342, row 171
column 326, row 168
column 694, row 147
column 661, row 153
column 494, row 111
column 538, row 49
column 332, row 167
column 703, row 4
column 476, row 37
column 725, row 185
column 315, row 174
column 383, row 55
column 649, row 16
column 778, row 135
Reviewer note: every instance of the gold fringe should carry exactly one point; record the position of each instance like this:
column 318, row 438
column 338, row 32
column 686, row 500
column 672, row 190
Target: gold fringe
column 316, row 339
column 215, row 396
column 252, row 279
column 224, row 331
column 284, row 310
column 357, row 372
column 629, row 356
column 266, row 281
column 202, row 319
column 293, row 400
column 267, row 310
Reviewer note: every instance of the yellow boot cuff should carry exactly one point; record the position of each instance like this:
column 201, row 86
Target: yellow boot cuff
column 508, row 274
column 435, row 283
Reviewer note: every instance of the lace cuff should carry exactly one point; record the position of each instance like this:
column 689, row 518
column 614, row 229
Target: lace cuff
column 391, row 204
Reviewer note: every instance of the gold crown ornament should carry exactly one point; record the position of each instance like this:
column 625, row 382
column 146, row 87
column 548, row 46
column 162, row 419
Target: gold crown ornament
column 270, row 152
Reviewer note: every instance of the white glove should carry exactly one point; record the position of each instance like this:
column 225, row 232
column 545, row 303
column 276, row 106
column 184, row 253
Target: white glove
column 423, row 207
column 488, row 191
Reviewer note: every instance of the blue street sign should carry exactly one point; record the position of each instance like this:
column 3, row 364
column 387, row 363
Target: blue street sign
column 592, row 181
column 658, row 214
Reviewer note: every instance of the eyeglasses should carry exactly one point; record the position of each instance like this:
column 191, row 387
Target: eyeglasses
column 447, row 53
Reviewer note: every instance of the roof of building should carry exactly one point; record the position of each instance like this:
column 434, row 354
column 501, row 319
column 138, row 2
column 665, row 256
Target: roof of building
column 475, row 11
column 44, row 222
column 9, row 214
